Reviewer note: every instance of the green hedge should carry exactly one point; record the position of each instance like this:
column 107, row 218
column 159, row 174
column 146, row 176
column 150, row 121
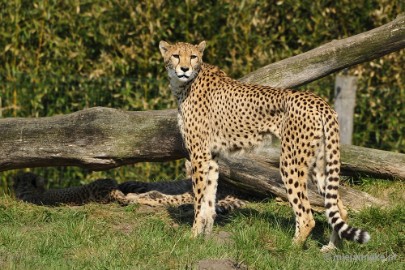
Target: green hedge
column 62, row 56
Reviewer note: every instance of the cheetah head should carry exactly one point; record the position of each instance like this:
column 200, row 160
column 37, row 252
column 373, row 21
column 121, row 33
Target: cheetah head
column 182, row 60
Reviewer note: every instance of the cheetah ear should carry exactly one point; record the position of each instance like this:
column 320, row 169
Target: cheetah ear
column 201, row 46
column 164, row 47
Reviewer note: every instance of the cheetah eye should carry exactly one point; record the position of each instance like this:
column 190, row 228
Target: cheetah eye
column 176, row 56
column 193, row 56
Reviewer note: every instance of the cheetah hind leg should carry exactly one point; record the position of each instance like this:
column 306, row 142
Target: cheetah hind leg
column 298, row 198
column 304, row 219
column 156, row 198
column 294, row 177
column 228, row 204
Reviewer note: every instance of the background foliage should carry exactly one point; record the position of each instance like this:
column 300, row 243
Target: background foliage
column 62, row 56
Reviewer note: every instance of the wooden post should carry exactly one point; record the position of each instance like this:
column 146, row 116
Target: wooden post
column 345, row 100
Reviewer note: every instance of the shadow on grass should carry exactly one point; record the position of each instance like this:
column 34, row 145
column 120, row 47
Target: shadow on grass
column 286, row 224
column 278, row 219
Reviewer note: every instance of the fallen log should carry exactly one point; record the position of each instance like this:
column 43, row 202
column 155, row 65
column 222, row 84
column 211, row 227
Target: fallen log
column 253, row 175
column 103, row 138
column 97, row 139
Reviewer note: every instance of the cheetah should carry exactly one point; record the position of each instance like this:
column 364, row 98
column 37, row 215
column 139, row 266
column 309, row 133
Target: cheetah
column 219, row 115
column 176, row 193
column 30, row 188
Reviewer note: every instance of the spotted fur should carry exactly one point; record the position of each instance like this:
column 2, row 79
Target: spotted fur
column 218, row 115
column 176, row 193
column 30, row 188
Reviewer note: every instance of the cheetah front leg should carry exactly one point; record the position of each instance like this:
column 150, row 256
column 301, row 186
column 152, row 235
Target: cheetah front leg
column 205, row 182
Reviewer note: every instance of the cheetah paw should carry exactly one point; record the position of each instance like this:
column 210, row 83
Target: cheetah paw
column 328, row 248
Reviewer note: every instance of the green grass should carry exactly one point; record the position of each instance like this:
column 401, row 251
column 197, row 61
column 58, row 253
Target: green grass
column 114, row 237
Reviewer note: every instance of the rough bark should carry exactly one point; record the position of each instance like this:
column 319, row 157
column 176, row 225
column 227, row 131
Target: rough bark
column 103, row 138
column 97, row 138
column 332, row 56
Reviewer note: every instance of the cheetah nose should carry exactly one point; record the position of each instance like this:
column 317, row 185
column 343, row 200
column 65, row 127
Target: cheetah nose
column 184, row 69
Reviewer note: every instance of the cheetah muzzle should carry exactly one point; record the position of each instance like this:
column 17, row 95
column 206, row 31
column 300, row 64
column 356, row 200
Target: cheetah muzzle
column 217, row 115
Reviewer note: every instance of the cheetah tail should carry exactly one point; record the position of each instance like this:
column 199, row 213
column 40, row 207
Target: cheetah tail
column 332, row 154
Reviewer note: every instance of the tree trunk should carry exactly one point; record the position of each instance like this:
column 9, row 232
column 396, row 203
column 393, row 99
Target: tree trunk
column 345, row 102
column 97, row 139
column 332, row 56
column 102, row 138
column 253, row 175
